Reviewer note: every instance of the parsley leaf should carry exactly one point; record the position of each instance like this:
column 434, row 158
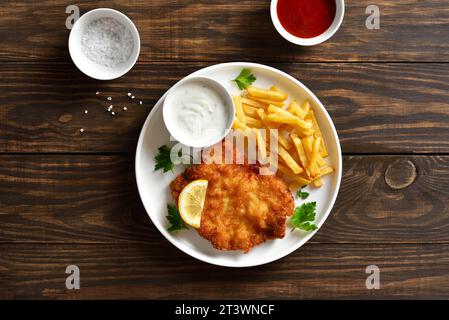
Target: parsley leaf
column 303, row 195
column 174, row 218
column 245, row 79
column 303, row 217
column 163, row 159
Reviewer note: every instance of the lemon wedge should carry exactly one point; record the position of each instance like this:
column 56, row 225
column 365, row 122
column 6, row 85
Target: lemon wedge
column 191, row 202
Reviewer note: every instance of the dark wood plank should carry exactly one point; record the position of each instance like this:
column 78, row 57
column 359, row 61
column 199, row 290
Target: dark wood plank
column 94, row 199
column 377, row 108
column 154, row 270
column 411, row 30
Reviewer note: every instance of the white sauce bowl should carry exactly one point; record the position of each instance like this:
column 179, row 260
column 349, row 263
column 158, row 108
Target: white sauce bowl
column 172, row 110
column 339, row 14
column 89, row 67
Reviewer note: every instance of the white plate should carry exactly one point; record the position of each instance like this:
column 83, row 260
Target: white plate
column 154, row 185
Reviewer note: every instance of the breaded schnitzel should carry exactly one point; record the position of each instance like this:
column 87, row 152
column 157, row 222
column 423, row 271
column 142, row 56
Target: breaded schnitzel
column 242, row 208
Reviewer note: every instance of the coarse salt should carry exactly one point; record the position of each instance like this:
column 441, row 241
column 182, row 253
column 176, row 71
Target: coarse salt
column 107, row 42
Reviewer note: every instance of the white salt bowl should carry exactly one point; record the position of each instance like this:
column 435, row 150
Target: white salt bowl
column 91, row 68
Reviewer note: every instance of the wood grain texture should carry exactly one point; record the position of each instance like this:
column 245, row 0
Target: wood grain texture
column 377, row 108
column 410, row 30
column 94, row 199
column 81, row 205
column 159, row 270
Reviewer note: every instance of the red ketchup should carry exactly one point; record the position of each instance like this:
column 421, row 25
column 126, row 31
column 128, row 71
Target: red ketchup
column 306, row 18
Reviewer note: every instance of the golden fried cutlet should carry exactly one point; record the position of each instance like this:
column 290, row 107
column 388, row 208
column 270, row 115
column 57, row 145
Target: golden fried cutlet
column 242, row 208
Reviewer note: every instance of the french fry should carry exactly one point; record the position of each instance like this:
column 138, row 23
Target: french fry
column 326, row 170
column 237, row 124
column 250, row 111
column 303, row 133
column 301, row 124
column 284, row 140
column 297, row 122
column 292, row 152
column 280, row 119
column 267, row 102
column 301, row 150
column 291, row 163
column 239, row 109
column 301, row 153
column 312, row 162
column 305, row 106
column 319, row 160
column 295, row 109
column 315, row 168
column 261, row 144
column 276, row 110
column 253, row 123
column 268, row 124
column 279, row 111
column 253, row 103
column 295, row 177
column 261, row 114
column 266, row 94
column 323, row 150
column 307, row 145
column 294, row 185
column 318, row 182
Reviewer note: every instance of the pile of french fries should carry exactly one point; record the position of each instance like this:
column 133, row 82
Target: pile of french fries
column 301, row 148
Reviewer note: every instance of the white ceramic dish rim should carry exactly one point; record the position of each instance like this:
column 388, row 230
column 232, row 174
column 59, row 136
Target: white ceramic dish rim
column 339, row 15
column 106, row 12
column 338, row 170
column 224, row 94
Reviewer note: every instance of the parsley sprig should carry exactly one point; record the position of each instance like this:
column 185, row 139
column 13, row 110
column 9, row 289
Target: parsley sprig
column 302, row 194
column 244, row 79
column 163, row 160
column 174, row 218
column 303, row 217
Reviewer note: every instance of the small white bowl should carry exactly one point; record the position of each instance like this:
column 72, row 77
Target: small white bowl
column 339, row 14
column 168, row 111
column 89, row 67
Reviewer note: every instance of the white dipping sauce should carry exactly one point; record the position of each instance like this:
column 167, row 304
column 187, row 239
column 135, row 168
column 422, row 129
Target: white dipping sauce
column 199, row 113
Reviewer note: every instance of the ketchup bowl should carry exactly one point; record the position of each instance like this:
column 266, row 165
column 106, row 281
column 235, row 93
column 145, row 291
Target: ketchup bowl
column 307, row 22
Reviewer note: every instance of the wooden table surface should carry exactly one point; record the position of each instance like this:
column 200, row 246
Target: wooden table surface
column 71, row 198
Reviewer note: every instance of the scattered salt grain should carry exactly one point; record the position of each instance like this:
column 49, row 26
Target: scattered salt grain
column 113, row 113
column 140, row 102
column 81, row 130
column 129, row 94
column 109, row 98
column 132, row 97
column 107, row 42
column 125, row 108
column 86, row 111
column 97, row 93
